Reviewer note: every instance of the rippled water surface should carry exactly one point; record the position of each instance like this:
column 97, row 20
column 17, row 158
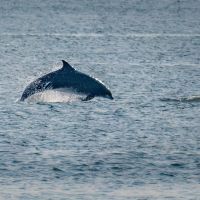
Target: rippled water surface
column 145, row 144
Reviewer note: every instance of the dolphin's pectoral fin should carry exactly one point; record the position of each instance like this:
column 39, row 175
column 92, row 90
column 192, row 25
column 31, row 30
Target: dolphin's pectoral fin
column 89, row 97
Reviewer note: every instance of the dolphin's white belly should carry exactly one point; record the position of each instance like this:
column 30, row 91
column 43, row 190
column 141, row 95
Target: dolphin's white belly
column 57, row 95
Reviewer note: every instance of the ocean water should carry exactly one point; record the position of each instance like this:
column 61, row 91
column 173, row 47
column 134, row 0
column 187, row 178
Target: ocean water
column 145, row 144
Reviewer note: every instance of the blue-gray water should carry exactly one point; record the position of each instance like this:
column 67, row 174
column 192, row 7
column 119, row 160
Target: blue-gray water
column 145, row 144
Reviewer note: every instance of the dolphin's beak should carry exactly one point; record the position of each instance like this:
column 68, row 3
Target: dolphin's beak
column 111, row 97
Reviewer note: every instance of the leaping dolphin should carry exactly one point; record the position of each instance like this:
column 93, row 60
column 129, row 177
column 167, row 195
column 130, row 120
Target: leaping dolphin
column 68, row 78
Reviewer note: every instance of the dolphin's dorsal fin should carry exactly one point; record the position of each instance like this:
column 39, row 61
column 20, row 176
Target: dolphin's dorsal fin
column 67, row 66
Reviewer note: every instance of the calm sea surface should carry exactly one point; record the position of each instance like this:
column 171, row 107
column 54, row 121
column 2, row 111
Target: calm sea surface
column 143, row 145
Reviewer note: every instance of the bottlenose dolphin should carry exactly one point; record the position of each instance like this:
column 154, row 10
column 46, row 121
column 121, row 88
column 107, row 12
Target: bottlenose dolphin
column 68, row 78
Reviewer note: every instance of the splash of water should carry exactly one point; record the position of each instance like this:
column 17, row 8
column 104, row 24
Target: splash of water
column 55, row 96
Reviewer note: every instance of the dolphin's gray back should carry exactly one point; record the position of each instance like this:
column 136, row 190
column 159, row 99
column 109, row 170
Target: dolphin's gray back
column 85, row 84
